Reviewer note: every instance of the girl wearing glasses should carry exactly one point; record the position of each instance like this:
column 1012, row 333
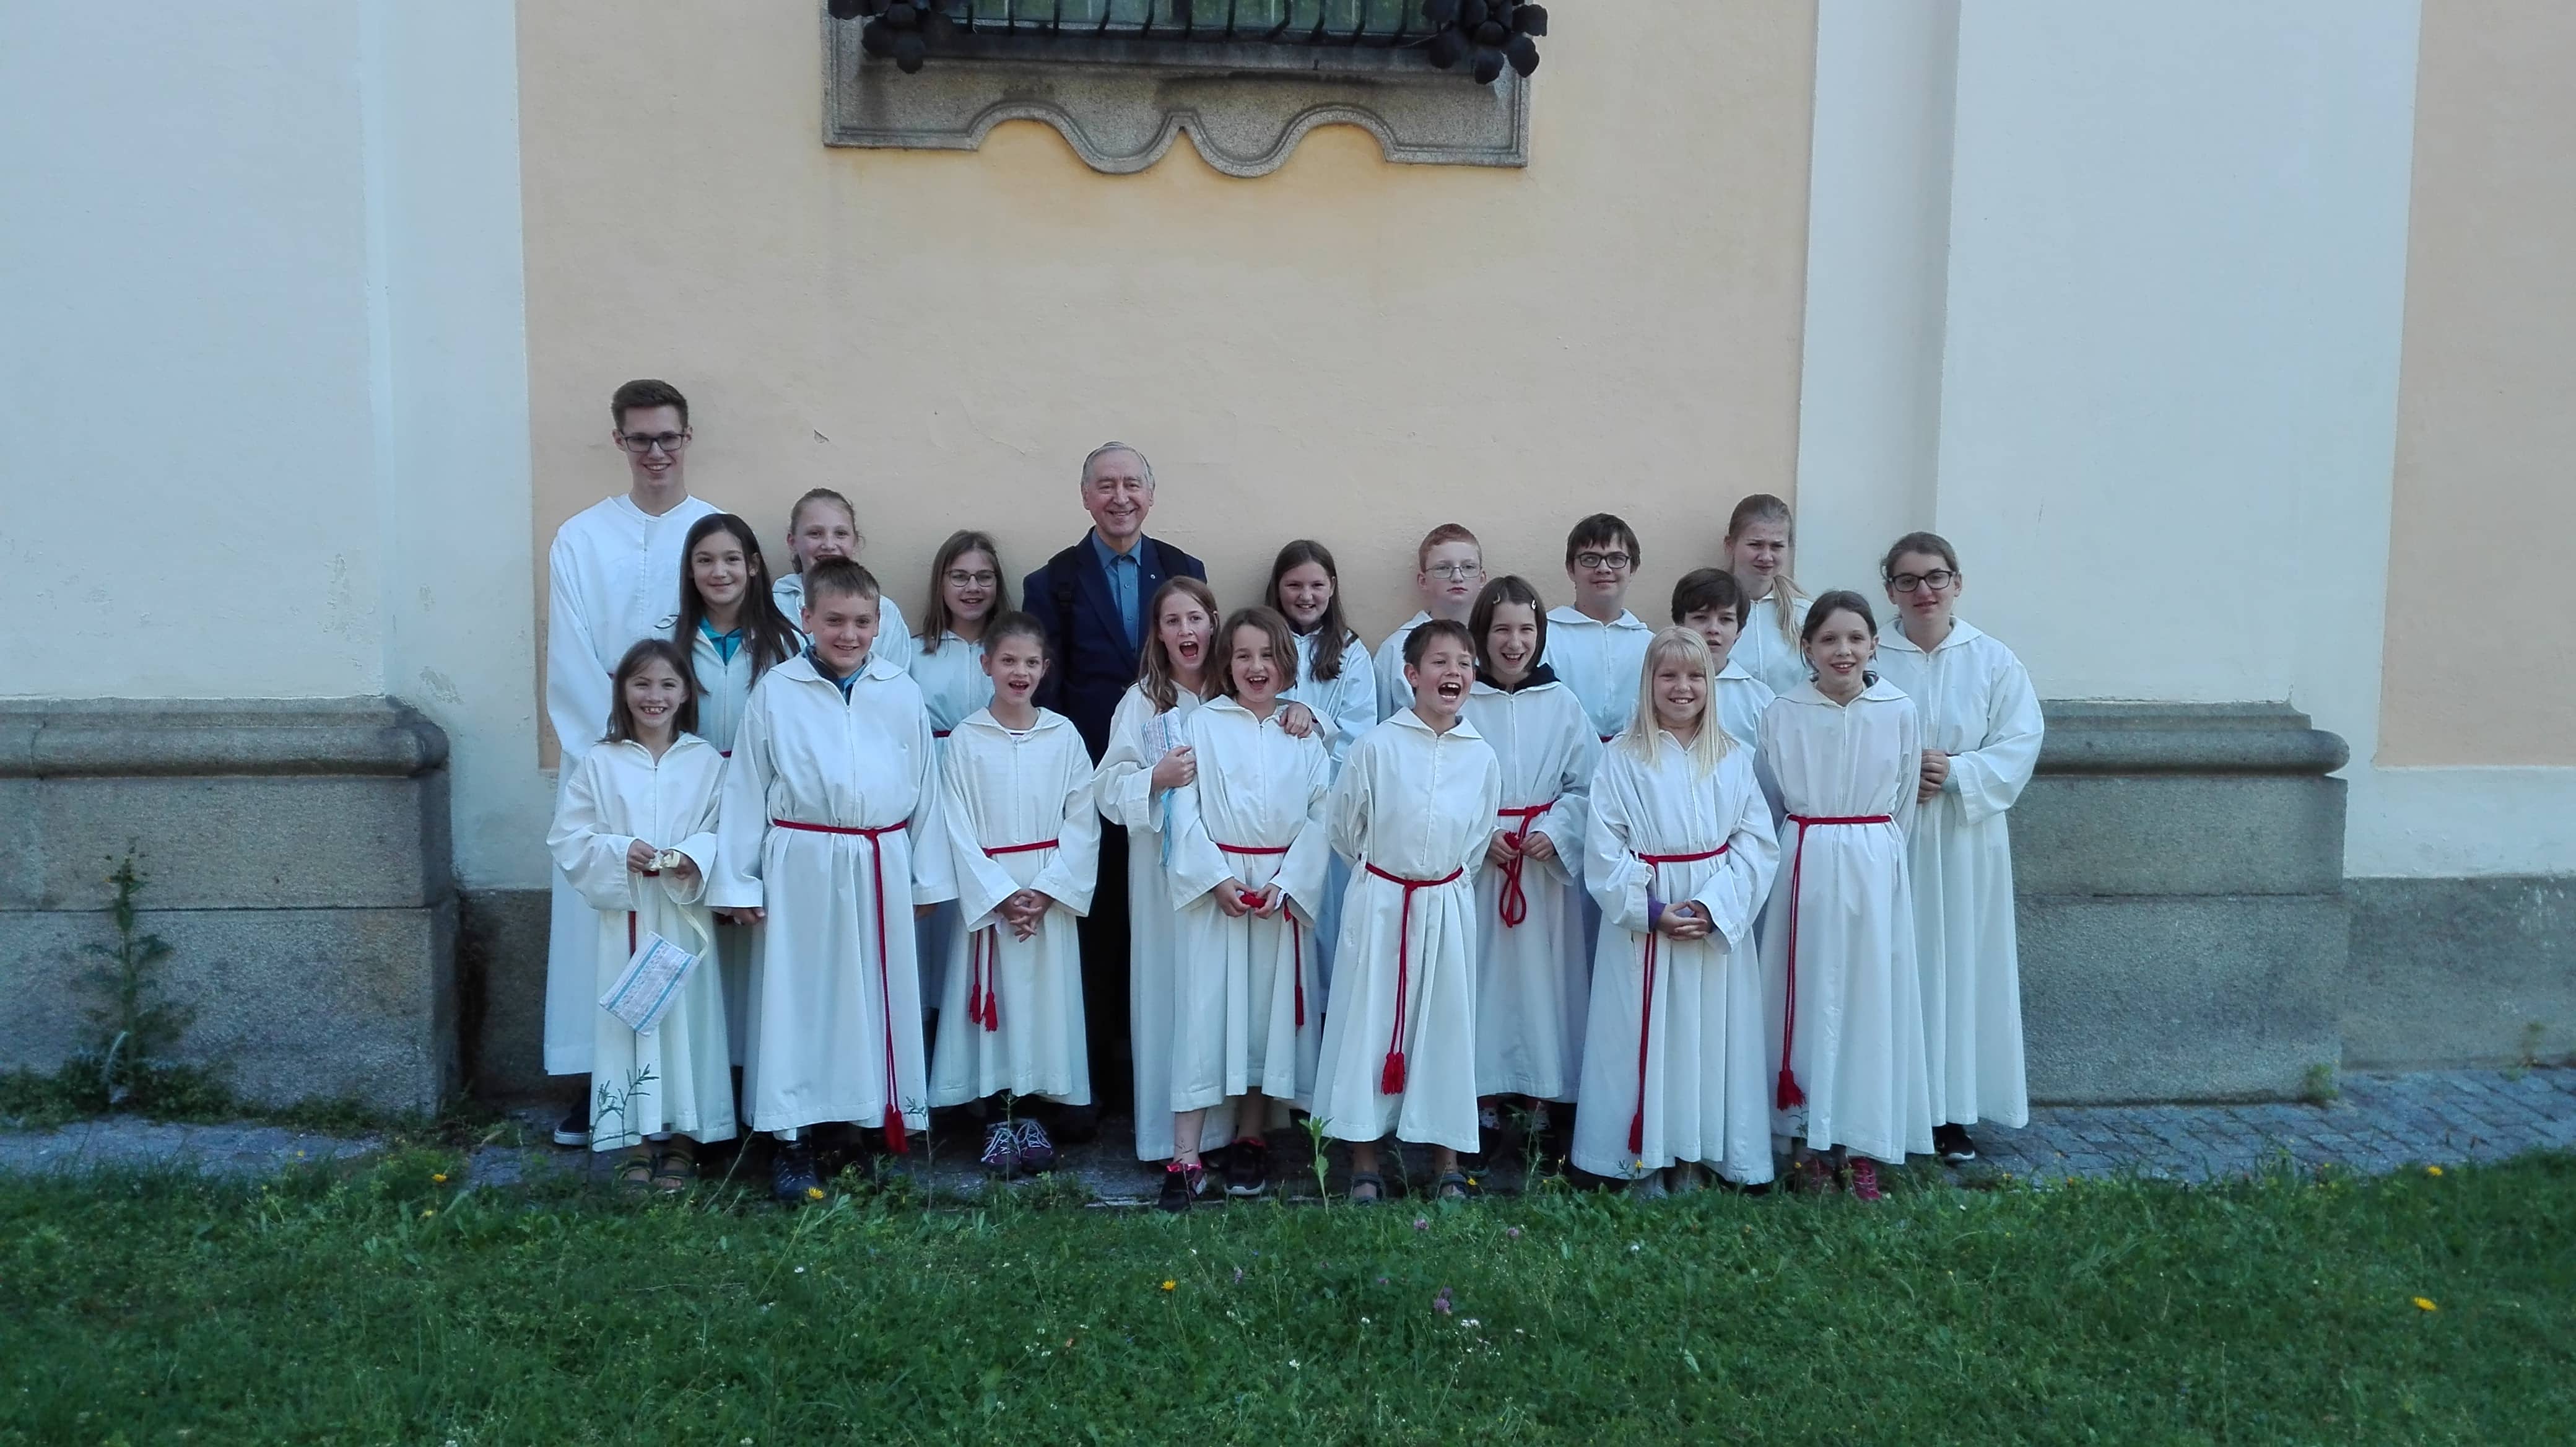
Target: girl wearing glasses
column 1981, row 733
column 967, row 591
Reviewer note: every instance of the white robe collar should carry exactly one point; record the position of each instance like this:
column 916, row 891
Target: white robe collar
column 802, row 669
column 679, row 745
column 1482, row 689
column 1880, row 691
column 1409, row 719
column 1734, row 669
column 1961, row 631
column 1568, row 613
column 982, row 718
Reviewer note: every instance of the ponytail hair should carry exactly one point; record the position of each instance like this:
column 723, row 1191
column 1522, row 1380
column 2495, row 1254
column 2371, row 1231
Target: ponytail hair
column 1762, row 507
column 1684, row 646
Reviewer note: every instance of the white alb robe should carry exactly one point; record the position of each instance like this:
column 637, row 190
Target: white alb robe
column 612, row 579
column 676, row 1079
column 1600, row 662
column 894, row 642
column 1701, row 1091
column 835, row 985
column 1740, row 701
column 1246, row 1012
column 1012, row 1016
column 1857, row 1050
column 1977, row 706
column 724, row 689
column 1764, row 653
column 1413, row 812
column 1393, row 693
column 1533, row 978
column 1348, row 702
column 1139, row 736
column 953, row 685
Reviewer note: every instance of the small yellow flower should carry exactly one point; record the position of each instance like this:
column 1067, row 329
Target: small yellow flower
column 2432, row 1170
column 1170, row 1285
column 425, row 1215
column 438, row 1178
column 1471, row 1180
column 813, row 1193
column 2425, row 1303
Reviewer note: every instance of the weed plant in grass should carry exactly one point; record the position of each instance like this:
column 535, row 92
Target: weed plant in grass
column 395, row 1306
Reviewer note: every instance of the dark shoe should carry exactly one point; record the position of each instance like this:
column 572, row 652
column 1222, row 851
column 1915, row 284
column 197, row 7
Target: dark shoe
column 1247, row 1167
column 1037, row 1153
column 1452, row 1189
column 792, row 1180
column 1181, row 1185
column 574, row 1129
column 1813, row 1176
column 1370, row 1182
column 1001, row 1148
column 1951, row 1144
column 1864, row 1179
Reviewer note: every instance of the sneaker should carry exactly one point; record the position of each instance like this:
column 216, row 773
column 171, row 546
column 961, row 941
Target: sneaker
column 1952, row 1145
column 1181, row 1185
column 1864, row 1179
column 791, row 1173
column 1247, row 1167
column 1037, row 1153
column 574, row 1129
column 1812, row 1176
column 1001, row 1148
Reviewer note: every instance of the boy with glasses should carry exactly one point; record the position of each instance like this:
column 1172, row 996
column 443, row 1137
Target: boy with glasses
column 1451, row 572
column 613, row 577
column 1597, row 645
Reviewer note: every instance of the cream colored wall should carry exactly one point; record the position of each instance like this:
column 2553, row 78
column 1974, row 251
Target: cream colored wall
column 1346, row 349
column 2477, row 664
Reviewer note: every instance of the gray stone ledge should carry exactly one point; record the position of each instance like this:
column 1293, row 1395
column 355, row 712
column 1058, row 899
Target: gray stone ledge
column 61, row 738
column 1122, row 103
column 2458, row 971
column 2091, row 737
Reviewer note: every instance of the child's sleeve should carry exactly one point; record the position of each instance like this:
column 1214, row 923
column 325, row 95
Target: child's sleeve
column 1346, row 811
column 1196, row 865
column 982, row 883
column 1354, row 700
column 589, row 853
column 700, row 843
column 1480, row 831
column 1388, row 666
column 1611, row 870
column 1125, row 788
column 1765, row 759
column 1735, row 891
column 1071, row 876
column 1568, row 823
column 1909, row 755
column 1989, row 778
column 742, row 812
column 1305, row 875
column 577, row 691
column 934, row 875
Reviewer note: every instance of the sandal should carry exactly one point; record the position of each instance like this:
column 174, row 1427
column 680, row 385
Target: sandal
column 1371, row 1182
column 1452, row 1189
column 674, row 1167
column 634, row 1169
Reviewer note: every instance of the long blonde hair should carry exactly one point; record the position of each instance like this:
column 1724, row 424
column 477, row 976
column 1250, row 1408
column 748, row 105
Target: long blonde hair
column 1712, row 744
column 1785, row 593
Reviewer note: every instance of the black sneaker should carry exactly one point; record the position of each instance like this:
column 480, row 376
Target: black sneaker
column 1001, row 1148
column 574, row 1129
column 1037, row 1153
column 1951, row 1144
column 1247, row 1167
column 792, row 1180
column 1181, row 1185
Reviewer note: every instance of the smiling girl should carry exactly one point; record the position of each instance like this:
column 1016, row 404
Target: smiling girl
column 1334, row 678
column 1845, row 753
column 967, row 590
column 821, row 527
column 1247, row 877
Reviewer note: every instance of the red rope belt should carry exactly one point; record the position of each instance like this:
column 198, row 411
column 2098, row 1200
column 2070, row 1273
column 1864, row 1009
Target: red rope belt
column 1646, row 1016
column 1296, row 936
column 1390, row 1076
column 894, row 1132
column 984, row 955
column 1514, row 904
column 1788, row 1095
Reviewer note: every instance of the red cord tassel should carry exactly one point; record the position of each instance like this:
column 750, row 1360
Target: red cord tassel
column 1390, row 1079
column 1789, row 1095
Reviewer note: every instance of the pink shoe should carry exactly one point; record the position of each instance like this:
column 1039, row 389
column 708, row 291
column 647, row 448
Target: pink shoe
column 1864, row 1179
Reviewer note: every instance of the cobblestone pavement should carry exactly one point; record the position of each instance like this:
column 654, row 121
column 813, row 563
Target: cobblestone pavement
column 2377, row 1124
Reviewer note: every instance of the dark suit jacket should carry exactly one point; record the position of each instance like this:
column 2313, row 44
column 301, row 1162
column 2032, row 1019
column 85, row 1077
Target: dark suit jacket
column 1092, row 663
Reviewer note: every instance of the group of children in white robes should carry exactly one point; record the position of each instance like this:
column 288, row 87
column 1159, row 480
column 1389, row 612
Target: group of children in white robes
column 1695, row 889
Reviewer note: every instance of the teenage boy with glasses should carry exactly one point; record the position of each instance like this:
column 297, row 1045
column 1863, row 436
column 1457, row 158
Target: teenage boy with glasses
column 1451, row 572
column 1597, row 646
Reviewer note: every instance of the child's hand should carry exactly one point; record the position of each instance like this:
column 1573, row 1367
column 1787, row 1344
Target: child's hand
column 1683, row 922
column 1296, row 720
column 1179, row 767
column 1273, row 900
column 743, row 916
column 1233, row 898
column 922, row 911
column 685, row 870
column 1538, row 846
column 1936, row 772
column 639, row 856
column 1502, row 851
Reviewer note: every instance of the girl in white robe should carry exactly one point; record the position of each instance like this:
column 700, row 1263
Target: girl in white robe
column 1681, row 856
column 635, row 832
column 823, row 526
column 1981, row 738
column 1247, row 876
column 1843, row 998
column 1413, row 811
column 1024, row 838
column 1336, row 679
column 968, row 589
column 734, row 633
column 1533, row 977
column 829, row 835
column 1758, row 546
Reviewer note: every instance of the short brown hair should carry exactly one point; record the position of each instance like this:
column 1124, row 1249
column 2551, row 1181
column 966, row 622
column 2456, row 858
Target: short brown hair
column 1445, row 533
column 1706, row 590
column 839, row 578
column 643, row 394
column 1419, row 641
column 1283, row 646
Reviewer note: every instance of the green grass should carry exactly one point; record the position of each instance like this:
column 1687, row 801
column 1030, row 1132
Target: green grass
column 384, row 1306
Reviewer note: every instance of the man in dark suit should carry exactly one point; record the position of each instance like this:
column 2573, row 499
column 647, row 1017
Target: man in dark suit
column 1093, row 599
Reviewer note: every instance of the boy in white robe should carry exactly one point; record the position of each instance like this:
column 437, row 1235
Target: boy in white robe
column 1413, row 811
column 1247, row 876
column 829, row 836
column 1450, row 572
column 635, row 832
column 1844, row 752
column 1981, row 736
column 1532, row 975
column 1709, row 602
column 1595, row 646
column 1024, row 840
column 1681, row 857
column 823, row 526
column 611, row 576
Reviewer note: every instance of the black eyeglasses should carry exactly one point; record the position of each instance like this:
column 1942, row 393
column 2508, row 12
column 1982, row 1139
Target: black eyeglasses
column 963, row 579
column 1936, row 580
column 640, row 443
column 1616, row 562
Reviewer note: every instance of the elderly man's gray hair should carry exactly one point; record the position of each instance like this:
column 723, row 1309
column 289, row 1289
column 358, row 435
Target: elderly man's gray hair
column 1108, row 447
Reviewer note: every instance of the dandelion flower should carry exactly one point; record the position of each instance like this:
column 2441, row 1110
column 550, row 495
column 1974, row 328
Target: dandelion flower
column 438, row 1179
column 813, row 1193
column 1170, row 1285
column 425, row 1215
column 2432, row 1170
column 2425, row 1303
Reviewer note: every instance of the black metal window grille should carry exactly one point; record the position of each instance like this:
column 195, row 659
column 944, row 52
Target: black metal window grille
column 1375, row 23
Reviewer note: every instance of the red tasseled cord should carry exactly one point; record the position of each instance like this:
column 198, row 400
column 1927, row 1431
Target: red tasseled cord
column 1390, row 1080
